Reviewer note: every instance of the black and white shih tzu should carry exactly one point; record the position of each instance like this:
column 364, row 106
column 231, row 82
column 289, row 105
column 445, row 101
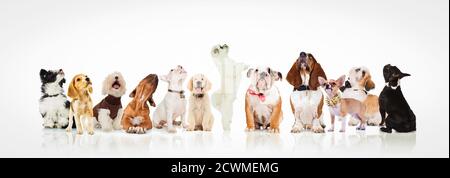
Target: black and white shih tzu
column 53, row 105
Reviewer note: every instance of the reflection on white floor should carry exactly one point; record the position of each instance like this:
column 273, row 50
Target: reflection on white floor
column 159, row 143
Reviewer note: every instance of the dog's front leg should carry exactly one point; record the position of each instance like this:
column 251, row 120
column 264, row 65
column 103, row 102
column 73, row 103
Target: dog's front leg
column 78, row 124
column 191, row 120
column 48, row 121
column 275, row 118
column 118, row 120
column 343, row 123
column 104, row 120
column 170, row 126
column 332, row 117
column 184, row 122
column 298, row 125
column 250, row 117
column 208, row 121
column 90, row 124
column 69, row 126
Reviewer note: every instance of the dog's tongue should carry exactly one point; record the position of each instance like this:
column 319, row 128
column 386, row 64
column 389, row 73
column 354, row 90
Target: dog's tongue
column 198, row 90
column 116, row 86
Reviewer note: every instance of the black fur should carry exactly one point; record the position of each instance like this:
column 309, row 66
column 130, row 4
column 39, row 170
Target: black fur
column 400, row 117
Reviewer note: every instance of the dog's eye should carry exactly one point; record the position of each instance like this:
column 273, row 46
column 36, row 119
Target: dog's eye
column 256, row 70
column 202, row 79
column 78, row 79
column 171, row 70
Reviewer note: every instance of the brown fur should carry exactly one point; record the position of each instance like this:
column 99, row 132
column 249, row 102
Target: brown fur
column 138, row 106
column 81, row 106
column 275, row 118
column 293, row 76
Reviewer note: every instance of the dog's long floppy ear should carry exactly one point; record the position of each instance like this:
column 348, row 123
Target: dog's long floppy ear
column 368, row 83
column 42, row 74
column 316, row 72
column 249, row 72
column 90, row 90
column 208, row 84
column 105, row 86
column 293, row 76
column 189, row 84
column 72, row 92
column 133, row 93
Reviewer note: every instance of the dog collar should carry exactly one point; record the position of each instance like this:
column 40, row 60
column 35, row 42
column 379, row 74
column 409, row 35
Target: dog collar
column 198, row 95
column 348, row 85
column 259, row 95
column 302, row 88
column 47, row 95
column 333, row 101
column 179, row 92
column 393, row 87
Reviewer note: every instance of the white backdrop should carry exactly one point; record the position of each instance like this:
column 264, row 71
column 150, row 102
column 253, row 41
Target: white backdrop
column 139, row 37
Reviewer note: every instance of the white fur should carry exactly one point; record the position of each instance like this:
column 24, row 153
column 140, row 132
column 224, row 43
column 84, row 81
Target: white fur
column 230, row 76
column 357, row 91
column 305, row 109
column 265, row 108
column 172, row 106
column 56, row 114
column 104, row 120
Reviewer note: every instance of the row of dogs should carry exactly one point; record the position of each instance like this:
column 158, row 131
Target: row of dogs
column 344, row 96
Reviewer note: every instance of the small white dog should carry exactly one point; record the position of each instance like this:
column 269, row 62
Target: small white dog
column 174, row 103
column 109, row 111
column 200, row 116
column 230, row 75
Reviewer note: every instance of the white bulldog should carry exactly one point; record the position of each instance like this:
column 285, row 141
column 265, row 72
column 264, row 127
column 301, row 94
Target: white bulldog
column 174, row 103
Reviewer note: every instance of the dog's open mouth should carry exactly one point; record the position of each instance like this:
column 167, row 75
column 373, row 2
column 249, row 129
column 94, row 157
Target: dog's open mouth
column 116, row 85
column 198, row 89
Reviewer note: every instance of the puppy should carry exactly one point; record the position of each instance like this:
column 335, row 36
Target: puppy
column 263, row 100
column 136, row 117
column 80, row 89
column 108, row 112
column 306, row 101
column 53, row 105
column 174, row 103
column 356, row 87
column 230, row 75
column 200, row 116
column 400, row 117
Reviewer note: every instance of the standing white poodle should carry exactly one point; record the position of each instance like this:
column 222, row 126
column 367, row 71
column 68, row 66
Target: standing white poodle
column 109, row 111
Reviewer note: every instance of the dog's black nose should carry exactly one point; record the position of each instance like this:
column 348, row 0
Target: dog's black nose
column 302, row 54
column 117, row 78
column 87, row 79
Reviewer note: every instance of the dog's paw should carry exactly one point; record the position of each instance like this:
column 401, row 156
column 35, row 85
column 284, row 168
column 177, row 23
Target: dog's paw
column 79, row 132
column 249, row 129
column 91, row 132
column 68, row 129
column 207, row 130
column 362, row 128
column 274, row 130
column 140, row 130
column 107, row 129
column 131, row 130
column 318, row 129
column 387, row 130
column 172, row 130
column 342, row 130
column 190, row 129
column 296, row 129
column 330, row 130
